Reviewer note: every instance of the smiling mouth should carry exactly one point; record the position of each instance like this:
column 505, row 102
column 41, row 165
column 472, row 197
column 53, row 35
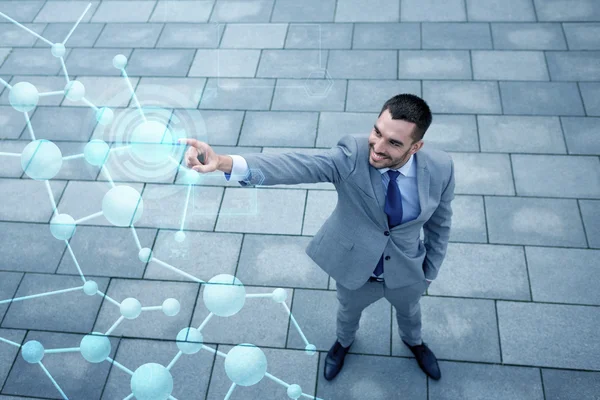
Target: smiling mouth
column 376, row 157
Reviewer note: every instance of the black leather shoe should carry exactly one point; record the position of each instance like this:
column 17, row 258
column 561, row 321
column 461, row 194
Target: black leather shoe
column 426, row 360
column 335, row 360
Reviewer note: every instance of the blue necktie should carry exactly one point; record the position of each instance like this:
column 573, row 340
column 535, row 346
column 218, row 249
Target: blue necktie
column 393, row 209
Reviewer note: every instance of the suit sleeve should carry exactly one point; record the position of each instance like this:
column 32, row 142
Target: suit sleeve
column 437, row 230
column 330, row 165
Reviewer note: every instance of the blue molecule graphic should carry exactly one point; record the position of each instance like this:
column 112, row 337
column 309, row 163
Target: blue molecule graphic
column 119, row 61
column 58, row 50
column 145, row 254
column 90, row 288
column 41, row 160
column 95, row 347
column 152, row 142
column 171, row 307
column 74, row 91
column 24, row 97
column 180, row 237
column 104, row 116
column 122, row 205
column 130, row 308
column 279, row 295
column 32, row 351
column 189, row 340
column 246, row 364
column 310, row 349
column 190, row 177
column 152, row 382
column 96, row 152
column 62, row 226
column 224, row 295
column 294, row 391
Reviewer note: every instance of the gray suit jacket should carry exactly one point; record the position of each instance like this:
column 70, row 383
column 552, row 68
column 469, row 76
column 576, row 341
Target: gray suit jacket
column 353, row 238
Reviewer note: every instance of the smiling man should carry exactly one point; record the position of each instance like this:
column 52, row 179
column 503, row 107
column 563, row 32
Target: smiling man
column 389, row 188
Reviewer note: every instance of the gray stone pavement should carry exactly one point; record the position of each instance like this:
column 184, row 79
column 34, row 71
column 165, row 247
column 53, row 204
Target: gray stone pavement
column 515, row 89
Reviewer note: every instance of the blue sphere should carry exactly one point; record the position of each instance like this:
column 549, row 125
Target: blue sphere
column 152, row 382
column 96, row 152
column 246, row 364
column 32, row 352
column 62, row 226
column 95, row 347
column 224, row 295
column 294, row 391
column 122, row 205
column 41, row 160
column 24, row 96
column 104, row 116
column 189, row 340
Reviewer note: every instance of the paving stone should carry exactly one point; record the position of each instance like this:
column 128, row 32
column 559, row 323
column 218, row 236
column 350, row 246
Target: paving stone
column 292, row 64
column 254, row 36
column 184, row 93
column 574, row 65
column 306, row 11
column 279, row 261
column 8, row 354
column 191, row 35
column 452, row 35
column 367, row 11
column 69, row 370
column 450, row 64
column 33, row 194
column 370, row 95
column 66, row 312
column 129, row 35
column 62, row 123
column 363, row 64
column 375, row 375
column 509, row 65
column 499, row 10
column 483, row 174
column 300, row 129
column 277, row 211
column 29, row 61
column 43, row 84
column 316, row 310
column 66, row 11
column 578, row 177
column 191, row 373
column 557, row 10
column 242, row 11
column 8, row 286
column 13, row 123
column 387, row 36
column 432, row 10
column 590, row 212
column 21, row 255
column 534, row 221
column 527, row 330
column 102, row 251
column 319, row 36
column 160, row 62
column 22, row 11
column 3, row 54
column 12, row 35
column 505, row 133
column 94, row 62
column 124, row 11
column 221, row 127
column 541, row 98
column 104, row 91
column 462, row 97
column 237, row 94
column 309, row 95
column 468, row 220
column 82, row 199
column 84, row 36
column 581, row 36
column 10, row 166
column 201, row 254
column 581, row 135
column 498, row 382
column 150, row 324
column 334, row 125
column 292, row 366
column 528, row 36
column 261, row 321
column 590, row 92
column 562, row 384
column 319, row 206
column 182, row 11
column 456, row 329
column 484, row 271
column 552, row 282
column 225, row 63
column 452, row 133
column 163, row 207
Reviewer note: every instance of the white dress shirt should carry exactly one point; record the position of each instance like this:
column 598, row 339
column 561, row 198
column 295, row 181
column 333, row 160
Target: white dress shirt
column 407, row 183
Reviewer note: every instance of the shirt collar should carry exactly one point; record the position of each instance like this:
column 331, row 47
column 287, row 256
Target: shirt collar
column 404, row 170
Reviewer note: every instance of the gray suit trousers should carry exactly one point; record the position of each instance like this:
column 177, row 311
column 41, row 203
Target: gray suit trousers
column 404, row 299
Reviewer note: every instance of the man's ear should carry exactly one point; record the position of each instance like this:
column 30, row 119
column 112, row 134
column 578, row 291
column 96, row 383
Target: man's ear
column 417, row 146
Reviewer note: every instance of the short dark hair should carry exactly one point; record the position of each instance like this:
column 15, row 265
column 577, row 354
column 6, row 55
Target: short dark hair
column 411, row 108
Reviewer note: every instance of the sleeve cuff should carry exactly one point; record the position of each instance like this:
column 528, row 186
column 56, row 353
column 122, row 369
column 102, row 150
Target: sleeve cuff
column 239, row 168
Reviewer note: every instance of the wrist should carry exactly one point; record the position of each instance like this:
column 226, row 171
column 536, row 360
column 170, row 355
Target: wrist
column 224, row 163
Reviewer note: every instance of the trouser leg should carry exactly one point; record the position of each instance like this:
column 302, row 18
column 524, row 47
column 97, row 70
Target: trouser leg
column 350, row 307
column 408, row 310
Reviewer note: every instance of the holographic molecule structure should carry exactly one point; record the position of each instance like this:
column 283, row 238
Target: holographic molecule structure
column 224, row 295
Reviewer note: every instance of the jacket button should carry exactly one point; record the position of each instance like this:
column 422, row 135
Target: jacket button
column 387, row 257
column 386, row 233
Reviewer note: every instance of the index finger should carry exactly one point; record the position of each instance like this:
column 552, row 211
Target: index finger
column 192, row 142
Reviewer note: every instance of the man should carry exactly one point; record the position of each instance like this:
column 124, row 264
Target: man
column 387, row 191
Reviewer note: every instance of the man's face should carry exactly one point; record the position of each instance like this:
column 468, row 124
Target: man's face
column 392, row 140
